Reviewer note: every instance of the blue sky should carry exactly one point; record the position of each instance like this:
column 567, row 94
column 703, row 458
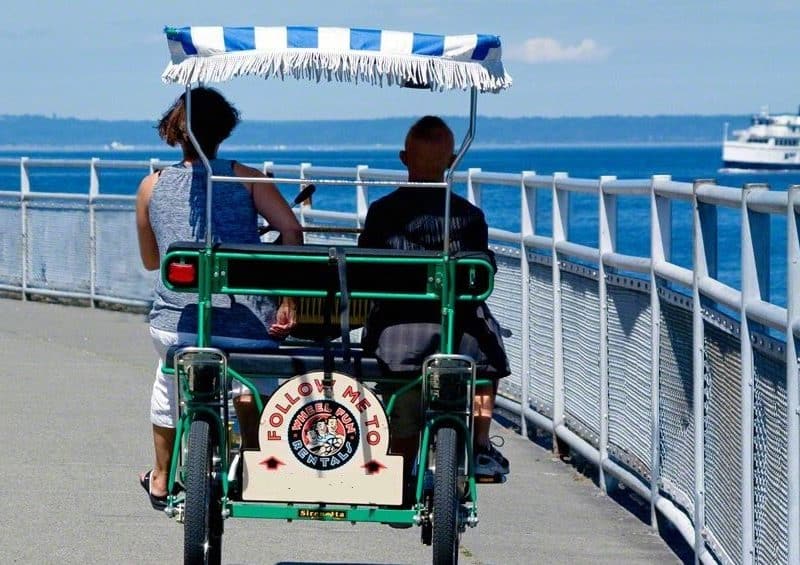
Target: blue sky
column 103, row 59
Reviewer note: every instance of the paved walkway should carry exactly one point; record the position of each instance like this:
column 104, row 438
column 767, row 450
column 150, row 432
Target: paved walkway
column 74, row 398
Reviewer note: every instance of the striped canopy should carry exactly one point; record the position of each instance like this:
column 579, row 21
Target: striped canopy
column 438, row 62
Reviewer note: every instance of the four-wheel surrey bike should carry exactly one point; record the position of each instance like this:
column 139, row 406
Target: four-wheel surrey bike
column 324, row 433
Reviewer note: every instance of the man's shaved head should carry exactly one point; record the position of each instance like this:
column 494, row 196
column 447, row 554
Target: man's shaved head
column 428, row 150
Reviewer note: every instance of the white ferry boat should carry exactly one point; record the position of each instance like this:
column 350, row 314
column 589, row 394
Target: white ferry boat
column 771, row 142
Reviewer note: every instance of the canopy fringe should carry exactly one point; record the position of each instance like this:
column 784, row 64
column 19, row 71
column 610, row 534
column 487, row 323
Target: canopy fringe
column 341, row 66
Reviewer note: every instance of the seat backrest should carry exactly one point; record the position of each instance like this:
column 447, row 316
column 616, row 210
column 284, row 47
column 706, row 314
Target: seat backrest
column 314, row 273
column 315, row 270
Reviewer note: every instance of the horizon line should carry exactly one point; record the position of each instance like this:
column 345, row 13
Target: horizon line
column 54, row 116
column 134, row 148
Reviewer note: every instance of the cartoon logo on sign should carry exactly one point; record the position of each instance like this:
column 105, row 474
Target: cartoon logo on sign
column 323, row 435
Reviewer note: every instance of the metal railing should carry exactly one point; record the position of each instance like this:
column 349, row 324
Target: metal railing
column 635, row 361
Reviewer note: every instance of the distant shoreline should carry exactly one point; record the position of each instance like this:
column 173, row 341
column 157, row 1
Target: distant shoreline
column 29, row 132
column 354, row 148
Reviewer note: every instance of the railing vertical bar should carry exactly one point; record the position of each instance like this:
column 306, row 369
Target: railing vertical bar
column 560, row 231
column 760, row 231
column 792, row 368
column 308, row 203
column 473, row 187
column 709, row 218
column 266, row 169
column 94, row 191
column 607, row 239
column 708, row 256
column 303, row 167
column 527, row 227
column 699, row 270
column 24, row 192
column 660, row 251
column 753, row 247
column 362, row 197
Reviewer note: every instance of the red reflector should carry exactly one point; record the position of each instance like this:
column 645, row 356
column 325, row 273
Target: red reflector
column 181, row 273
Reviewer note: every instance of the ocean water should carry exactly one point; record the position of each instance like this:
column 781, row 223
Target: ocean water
column 501, row 204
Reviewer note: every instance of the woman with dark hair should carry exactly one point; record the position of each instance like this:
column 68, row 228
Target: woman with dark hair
column 170, row 207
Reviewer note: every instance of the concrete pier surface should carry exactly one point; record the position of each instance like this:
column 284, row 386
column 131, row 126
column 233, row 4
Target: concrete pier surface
column 74, row 396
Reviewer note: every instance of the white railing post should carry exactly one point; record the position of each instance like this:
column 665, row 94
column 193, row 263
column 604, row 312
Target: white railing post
column 607, row 242
column 792, row 368
column 560, row 233
column 754, row 246
column 527, row 228
column 362, row 197
column 266, row 168
column 660, row 252
column 307, row 202
column 303, row 167
column 701, row 232
column 153, row 164
column 473, row 187
column 94, row 190
column 24, row 192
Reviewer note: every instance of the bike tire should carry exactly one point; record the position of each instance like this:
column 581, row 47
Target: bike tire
column 446, row 531
column 202, row 527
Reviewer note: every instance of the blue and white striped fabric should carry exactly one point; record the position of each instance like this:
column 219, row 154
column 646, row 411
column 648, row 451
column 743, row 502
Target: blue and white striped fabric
column 440, row 62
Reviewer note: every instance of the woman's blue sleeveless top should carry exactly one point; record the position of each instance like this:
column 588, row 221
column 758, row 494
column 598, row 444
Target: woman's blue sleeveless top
column 178, row 213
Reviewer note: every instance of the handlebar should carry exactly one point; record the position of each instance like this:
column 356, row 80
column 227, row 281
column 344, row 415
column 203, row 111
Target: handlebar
column 304, row 194
column 315, row 229
column 301, row 197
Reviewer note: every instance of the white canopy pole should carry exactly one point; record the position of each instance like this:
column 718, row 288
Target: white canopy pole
column 467, row 141
column 206, row 164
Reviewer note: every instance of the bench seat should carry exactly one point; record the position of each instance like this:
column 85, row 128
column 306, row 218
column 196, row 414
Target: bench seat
column 321, row 277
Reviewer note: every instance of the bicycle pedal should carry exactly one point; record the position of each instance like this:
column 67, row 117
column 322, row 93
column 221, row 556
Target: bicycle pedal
column 495, row 479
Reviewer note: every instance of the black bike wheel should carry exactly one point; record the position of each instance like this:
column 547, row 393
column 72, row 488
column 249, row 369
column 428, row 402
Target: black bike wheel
column 202, row 527
column 445, row 498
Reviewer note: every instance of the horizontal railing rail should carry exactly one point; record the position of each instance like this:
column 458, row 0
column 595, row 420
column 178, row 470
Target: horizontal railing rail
column 657, row 333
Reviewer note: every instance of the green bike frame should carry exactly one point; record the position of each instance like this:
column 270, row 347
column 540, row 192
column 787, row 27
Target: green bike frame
column 255, row 270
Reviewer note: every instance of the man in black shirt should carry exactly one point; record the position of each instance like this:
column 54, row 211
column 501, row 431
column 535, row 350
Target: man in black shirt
column 402, row 333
